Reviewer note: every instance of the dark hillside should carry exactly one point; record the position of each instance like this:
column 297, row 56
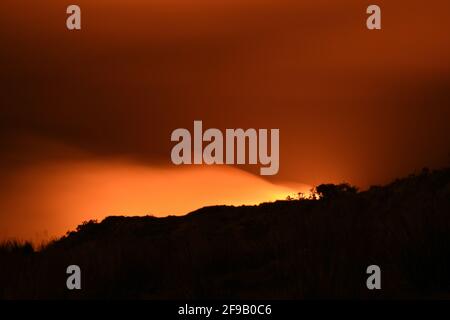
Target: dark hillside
column 287, row 249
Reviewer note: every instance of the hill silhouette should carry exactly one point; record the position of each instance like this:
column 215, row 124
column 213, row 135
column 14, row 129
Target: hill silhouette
column 303, row 248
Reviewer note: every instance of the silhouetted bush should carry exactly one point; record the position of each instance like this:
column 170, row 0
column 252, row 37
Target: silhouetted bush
column 328, row 191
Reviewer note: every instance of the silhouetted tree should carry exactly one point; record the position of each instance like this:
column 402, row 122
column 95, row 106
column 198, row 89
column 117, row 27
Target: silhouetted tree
column 327, row 191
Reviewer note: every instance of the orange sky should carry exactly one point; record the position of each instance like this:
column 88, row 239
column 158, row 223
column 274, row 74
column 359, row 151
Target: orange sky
column 48, row 200
column 351, row 105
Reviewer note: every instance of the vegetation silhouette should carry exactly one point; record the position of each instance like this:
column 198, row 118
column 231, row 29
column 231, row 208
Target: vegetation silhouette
column 314, row 247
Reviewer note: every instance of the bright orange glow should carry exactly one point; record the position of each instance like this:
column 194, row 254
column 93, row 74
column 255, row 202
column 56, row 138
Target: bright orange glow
column 352, row 105
column 56, row 198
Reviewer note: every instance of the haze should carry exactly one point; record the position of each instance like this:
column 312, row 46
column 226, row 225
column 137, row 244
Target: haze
column 351, row 104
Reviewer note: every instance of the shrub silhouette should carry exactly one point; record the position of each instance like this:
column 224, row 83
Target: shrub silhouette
column 328, row 191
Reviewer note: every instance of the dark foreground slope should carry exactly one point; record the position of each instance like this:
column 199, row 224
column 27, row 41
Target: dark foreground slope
column 288, row 249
